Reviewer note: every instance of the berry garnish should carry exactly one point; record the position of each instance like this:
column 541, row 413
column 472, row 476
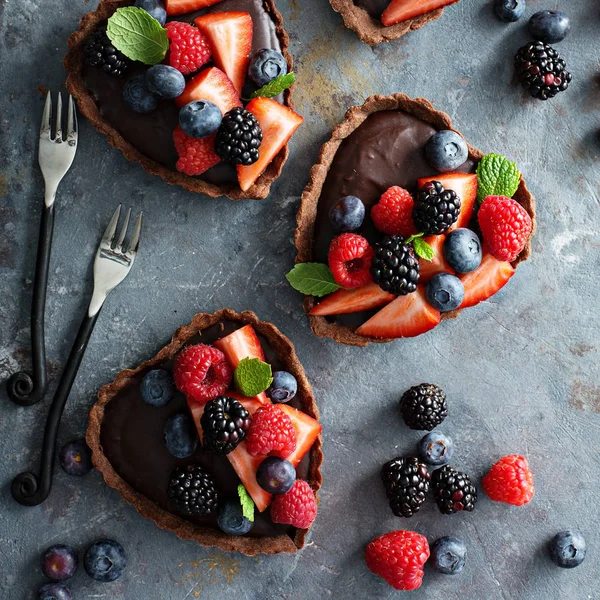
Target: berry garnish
column 271, row 433
column 435, row 448
column 188, row 47
column 395, row 267
column 349, row 258
column 487, row 279
column 225, row 423
column 239, row 137
column 156, row 388
column 165, row 81
column 283, row 388
column 298, row 507
column 347, row 214
column 567, row 549
column 510, row 480
column 406, row 482
column 448, row 555
column 445, row 292
column 105, row 560
column 76, row 458
column 54, row 591
column 192, row 491
column 393, row 213
column 155, row 8
column 100, row 53
column 445, row 151
column 509, row 10
column 137, row 95
column 436, row 208
column 195, row 155
column 231, row 518
column 462, row 250
column 181, row 435
column 549, row 26
column 266, row 65
column 200, row 118
column 59, row 562
column 276, row 475
column 424, row 406
column 453, row 490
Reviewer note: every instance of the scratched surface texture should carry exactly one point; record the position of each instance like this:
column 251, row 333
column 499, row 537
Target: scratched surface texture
column 520, row 371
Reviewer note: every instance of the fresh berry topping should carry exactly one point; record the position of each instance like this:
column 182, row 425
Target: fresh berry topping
column 510, row 480
column 567, row 549
column 398, row 557
column 550, row 26
column 509, row 10
column 200, row 118
column 350, row 257
column 192, row 490
column 231, row 519
column 54, row 591
column 395, row 267
column 298, row 507
column 402, row 10
column 439, row 264
column 448, row 555
column 435, row 448
column 406, row 482
column 195, row 155
column 181, row 436
column 59, row 562
column 445, row 292
column 76, row 458
column 239, row 137
column 188, row 47
column 225, row 423
column 155, row 8
column 462, row 250
column 436, row 209
column 350, row 301
column 105, row 560
column 165, row 81
column 348, row 214
column 453, row 490
column 137, row 95
column 210, row 85
column 393, row 213
column 181, row 7
column 100, row 53
column 424, row 406
column 271, row 432
column 445, row 151
column 276, row 475
column 488, row 278
column 283, row 388
column 266, row 65
column 156, row 388
column 201, row 372
column 505, row 226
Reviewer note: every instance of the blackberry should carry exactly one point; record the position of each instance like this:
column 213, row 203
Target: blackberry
column 541, row 70
column 395, row 267
column 238, row 137
column 436, row 209
column 453, row 490
column 406, row 482
column 424, row 406
column 99, row 52
column 192, row 491
column 224, row 425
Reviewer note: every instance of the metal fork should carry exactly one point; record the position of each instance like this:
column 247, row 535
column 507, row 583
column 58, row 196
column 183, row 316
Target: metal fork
column 55, row 156
column 111, row 266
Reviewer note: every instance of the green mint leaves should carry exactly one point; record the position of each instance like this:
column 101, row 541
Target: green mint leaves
column 496, row 176
column 276, row 86
column 421, row 247
column 312, row 279
column 138, row 35
column 246, row 502
column 252, row 376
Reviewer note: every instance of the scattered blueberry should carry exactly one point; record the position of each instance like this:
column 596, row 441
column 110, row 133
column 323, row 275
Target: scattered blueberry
column 105, row 560
column 283, row 388
column 549, row 26
column 567, row 549
column 76, row 458
column 266, row 65
column 59, row 562
column 348, row 214
column 157, row 388
column 509, row 10
column 462, row 250
column 165, row 81
column 181, row 436
column 231, row 519
column 448, row 555
column 445, row 292
column 446, row 151
column 200, row 118
column 137, row 95
column 54, row 591
column 154, row 8
column 276, row 475
column 435, row 448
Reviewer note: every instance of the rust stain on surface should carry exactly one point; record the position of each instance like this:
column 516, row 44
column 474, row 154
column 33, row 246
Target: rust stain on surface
column 205, row 572
column 581, row 349
column 43, row 90
column 584, row 397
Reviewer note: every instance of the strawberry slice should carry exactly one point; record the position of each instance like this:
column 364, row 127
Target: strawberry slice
column 402, row 10
column 427, row 269
column 307, row 430
column 180, row 7
column 350, row 301
column 212, row 85
column 406, row 316
column 230, row 37
column 278, row 124
column 489, row 277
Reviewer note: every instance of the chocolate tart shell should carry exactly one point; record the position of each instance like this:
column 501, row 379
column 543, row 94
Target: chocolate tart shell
column 73, row 63
column 305, row 218
column 186, row 530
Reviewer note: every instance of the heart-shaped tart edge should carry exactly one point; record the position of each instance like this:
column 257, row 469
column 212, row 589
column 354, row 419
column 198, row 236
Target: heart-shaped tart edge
column 73, row 62
column 186, row 530
column 307, row 212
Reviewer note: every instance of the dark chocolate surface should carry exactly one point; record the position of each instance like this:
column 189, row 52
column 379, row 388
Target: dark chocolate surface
column 375, row 8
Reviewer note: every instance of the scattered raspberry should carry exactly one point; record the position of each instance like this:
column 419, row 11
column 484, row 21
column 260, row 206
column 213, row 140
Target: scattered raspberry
column 202, row 373
column 188, row 47
column 350, row 257
column 298, row 507
column 398, row 557
column 510, row 480
column 196, row 155
column 505, row 225
column 271, row 432
column 393, row 213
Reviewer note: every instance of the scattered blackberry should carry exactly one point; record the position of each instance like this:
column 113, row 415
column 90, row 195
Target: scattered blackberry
column 395, row 267
column 436, row 209
column 239, row 137
column 224, row 424
column 192, row 490
column 541, row 70
column 99, row 52
column 424, row 406
column 453, row 490
column 406, row 482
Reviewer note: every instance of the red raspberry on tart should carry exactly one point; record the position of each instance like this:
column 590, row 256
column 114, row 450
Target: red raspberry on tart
column 350, row 256
column 297, row 507
column 393, row 213
column 271, row 433
column 195, row 155
column 510, row 480
column 188, row 47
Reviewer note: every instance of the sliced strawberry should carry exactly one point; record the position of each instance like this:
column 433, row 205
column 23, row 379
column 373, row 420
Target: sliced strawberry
column 180, row 7
column 489, row 277
column 278, row 124
column 406, row 316
column 439, row 264
column 212, row 85
column 402, row 10
column 307, row 430
column 350, row 301
column 230, row 37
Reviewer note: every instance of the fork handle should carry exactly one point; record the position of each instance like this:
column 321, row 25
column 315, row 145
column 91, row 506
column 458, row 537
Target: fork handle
column 23, row 388
column 27, row 488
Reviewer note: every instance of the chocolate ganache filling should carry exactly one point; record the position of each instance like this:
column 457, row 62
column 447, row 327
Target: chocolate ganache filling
column 374, row 8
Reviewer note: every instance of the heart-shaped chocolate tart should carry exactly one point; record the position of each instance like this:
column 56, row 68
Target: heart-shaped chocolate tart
column 126, row 436
column 379, row 145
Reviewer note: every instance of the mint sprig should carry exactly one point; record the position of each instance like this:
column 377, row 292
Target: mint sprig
column 421, row 247
column 496, row 176
column 276, row 86
column 252, row 376
column 246, row 502
column 312, row 279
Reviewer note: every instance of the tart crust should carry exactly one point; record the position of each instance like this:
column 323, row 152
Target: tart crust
column 305, row 218
column 73, row 63
column 186, row 530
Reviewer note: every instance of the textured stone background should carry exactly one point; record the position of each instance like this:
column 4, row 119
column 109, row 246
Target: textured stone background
column 520, row 371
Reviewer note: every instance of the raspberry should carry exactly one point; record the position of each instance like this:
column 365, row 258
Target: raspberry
column 202, row 373
column 271, row 432
column 510, row 480
column 398, row 557
column 298, row 507
column 505, row 225
column 393, row 213
column 195, row 155
column 188, row 48
column 350, row 257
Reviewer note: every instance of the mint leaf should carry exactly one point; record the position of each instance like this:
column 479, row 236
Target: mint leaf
column 423, row 249
column 252, row 376
column 276, row 86
column 138, row 35
column 496, row 176
column 312, row 279
column 246, row 502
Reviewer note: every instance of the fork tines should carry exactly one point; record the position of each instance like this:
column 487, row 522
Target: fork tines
column 109, row 235
column 45, row 129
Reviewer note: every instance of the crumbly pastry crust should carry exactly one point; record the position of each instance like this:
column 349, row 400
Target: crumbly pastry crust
column 186, row 530
column 307, row 213
column 73, row 63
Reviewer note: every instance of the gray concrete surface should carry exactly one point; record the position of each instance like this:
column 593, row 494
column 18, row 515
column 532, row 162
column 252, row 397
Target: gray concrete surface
column 521, row 371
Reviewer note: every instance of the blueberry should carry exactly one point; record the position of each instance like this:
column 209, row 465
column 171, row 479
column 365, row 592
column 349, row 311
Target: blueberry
column 283, row 388
column 266, row 65
column 448, row 555
column 509, row 10
column 137, row 95
column 435, row 448
column 200, row 118
column 181, row 436
column 445, row 292
column 105, row 560
column 276, row 475
column 165, row 81
column 231, row 519
column 54, row 591
column 462, row 250
column 59, row 562
column 567, row 549
column 157, row 388
column 154, row 8
column 446, row 151
column 76, row 458
column 549, row 26
column 348, row 214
